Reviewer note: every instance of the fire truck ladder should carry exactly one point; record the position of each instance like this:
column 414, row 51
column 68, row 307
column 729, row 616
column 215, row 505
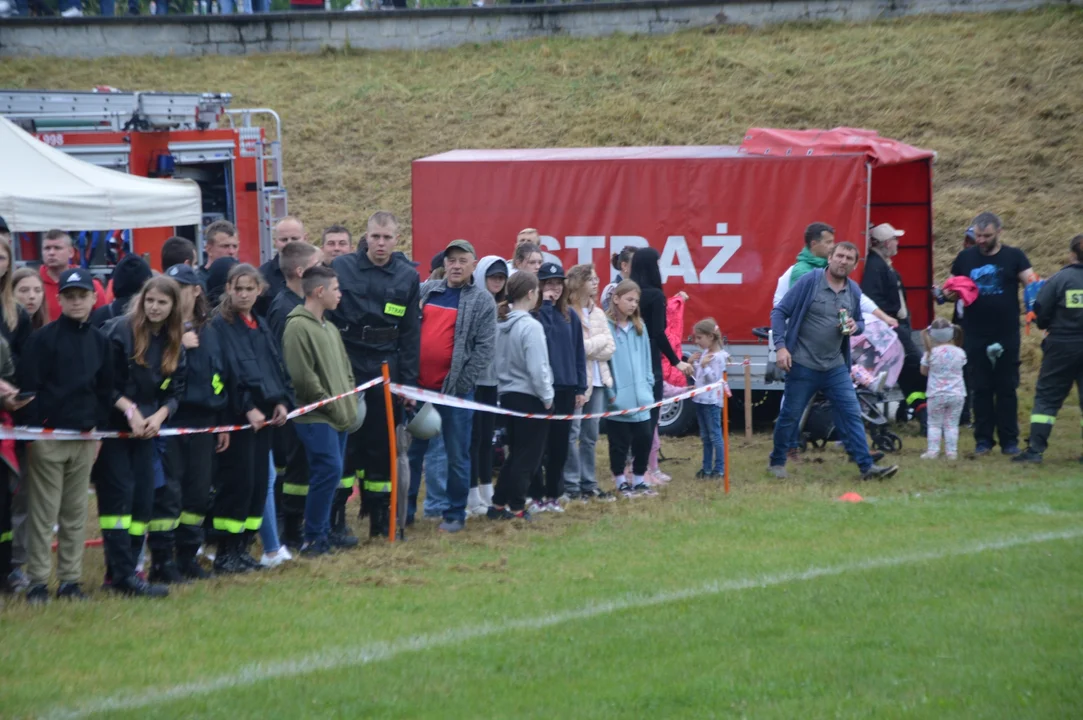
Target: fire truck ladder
column 111, row 110
column 273, row 199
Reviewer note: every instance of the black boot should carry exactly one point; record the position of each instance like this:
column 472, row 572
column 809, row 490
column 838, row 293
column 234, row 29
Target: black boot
column 119, row 563
column 188, row 564
column 226, row 561
column 163, row 569
column 135, row 586
column 293, row 531
column 340, row 535
column 379, row 515
column 244, row 554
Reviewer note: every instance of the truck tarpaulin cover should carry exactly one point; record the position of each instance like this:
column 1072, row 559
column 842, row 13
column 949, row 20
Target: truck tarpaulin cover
column 727, row 225
column 840, row 140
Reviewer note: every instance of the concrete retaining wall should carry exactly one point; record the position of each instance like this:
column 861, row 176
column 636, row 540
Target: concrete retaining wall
column 423, row 29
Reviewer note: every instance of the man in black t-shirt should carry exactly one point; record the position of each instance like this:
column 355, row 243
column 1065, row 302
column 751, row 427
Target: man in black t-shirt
column 993, row 318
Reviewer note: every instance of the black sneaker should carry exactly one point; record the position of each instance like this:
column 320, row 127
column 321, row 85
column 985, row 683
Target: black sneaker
column 1012, row 450
column 1028, row 456
column 317, row 548
column 228, row 563
column 522, row 515
column 71, row 591
column 135, row 586
column 38, row 595
column 574, row 496
column 248, row 561
column 702, row 475
column 875, row 472
column 494, row 513
column 191, row 569
column 167, row 573
column 982, row 450
column 715, row 476
column 604, row 497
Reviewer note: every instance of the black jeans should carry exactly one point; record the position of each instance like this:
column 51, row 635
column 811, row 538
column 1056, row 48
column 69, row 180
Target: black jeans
column 241, row 481
column 526, row 443
column 123, row 479
column 993, row 392
column 481, row 439
column 291, row 464
column 625, row 436
column 189, row 466
column 548, row 480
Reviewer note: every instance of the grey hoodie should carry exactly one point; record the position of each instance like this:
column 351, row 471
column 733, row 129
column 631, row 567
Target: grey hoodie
column 522, row 357
column 487, row 376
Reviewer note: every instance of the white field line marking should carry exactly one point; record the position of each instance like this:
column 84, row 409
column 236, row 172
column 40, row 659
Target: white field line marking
column 380, row 651
column 975, row 491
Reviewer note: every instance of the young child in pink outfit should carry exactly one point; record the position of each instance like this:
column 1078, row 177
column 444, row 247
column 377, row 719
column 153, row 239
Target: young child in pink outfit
column 943, row 363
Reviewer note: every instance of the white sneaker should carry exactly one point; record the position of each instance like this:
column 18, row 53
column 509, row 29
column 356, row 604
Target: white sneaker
column 929, row 455
column 72, row 13
column 477, row 510
column 537, row 507
column 553, row 506
column 276, row 559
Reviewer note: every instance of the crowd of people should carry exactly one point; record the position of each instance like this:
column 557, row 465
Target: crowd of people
column 212, row 342
column 110, row 8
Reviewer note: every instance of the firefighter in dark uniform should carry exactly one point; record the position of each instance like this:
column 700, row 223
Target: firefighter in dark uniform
column 1058, row 310
column 379, row 320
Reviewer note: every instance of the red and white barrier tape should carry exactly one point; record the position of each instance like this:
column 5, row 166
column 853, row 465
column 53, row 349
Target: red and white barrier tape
column 36, row 433
column 451, row 401
column 32, row 433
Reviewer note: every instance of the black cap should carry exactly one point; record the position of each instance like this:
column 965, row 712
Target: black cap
column 4, row 225
column 437, row 261
column 550, row 271
column 184, row 274
column 76, row 278
column 498, row 267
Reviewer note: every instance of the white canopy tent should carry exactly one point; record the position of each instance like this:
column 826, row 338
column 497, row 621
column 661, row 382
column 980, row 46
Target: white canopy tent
column 43, row 188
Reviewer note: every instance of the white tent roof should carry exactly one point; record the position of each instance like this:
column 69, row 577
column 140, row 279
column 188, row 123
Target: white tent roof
column 43, row 188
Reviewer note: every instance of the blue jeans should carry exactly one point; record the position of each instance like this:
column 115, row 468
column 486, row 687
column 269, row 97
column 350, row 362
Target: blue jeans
column 457, row 425
column 268, row 531
column 325, row 449
column 710, row 432
column 431, row 459
column 802, row 384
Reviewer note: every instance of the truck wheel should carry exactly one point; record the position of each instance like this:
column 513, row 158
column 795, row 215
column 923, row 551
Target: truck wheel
column 678, row 418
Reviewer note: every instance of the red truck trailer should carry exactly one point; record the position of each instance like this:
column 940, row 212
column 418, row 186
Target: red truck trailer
column 728, row 221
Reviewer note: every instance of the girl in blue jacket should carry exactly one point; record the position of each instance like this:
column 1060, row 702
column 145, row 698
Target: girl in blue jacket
column 633, row 387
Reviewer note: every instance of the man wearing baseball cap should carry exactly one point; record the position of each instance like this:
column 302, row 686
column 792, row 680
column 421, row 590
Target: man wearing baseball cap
column 881, row 282
column 458, row 336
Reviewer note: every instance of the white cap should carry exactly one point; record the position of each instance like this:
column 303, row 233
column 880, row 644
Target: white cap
column 884, row 232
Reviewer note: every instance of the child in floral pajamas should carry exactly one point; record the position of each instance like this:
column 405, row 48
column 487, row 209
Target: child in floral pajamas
column 946, row 391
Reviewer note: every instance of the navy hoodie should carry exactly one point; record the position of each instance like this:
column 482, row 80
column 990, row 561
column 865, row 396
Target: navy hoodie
column 567, row 358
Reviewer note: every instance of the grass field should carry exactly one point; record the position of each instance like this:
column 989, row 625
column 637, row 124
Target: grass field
column 952, row 591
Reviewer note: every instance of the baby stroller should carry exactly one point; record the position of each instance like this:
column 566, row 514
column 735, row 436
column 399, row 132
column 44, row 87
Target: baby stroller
column 817, row 427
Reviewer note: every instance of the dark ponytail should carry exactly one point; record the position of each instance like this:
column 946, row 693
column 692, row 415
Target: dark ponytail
column 625, row 255
column 518, row 287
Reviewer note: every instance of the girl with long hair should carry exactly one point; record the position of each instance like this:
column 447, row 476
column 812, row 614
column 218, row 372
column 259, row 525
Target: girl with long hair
column 190, row 460
column 580, row 476
column 709, row 365
column 15, row 326
column 525, row 383
column 149, row 377
column 259, row 395
column 633, row 382
column 652, row 308
column 622, row 263
column 30, row 294
column 567, row 359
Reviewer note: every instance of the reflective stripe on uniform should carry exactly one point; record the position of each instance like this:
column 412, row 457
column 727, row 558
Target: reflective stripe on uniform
column 216, row 384
column 1043, row 419
column 5, row 537
column 914, row 397
column 165, row 525
column 378, row 486
column 188, row 518
column 234, row 527
column 347, row 482
column 138, row 529
column 115, row 522
column 294, row 489
column 253, row 523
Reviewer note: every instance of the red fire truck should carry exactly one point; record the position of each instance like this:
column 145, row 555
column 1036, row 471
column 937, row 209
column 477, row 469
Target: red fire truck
column 235, row 155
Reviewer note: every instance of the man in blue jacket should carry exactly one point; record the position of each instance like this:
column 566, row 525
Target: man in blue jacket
column 813, row 345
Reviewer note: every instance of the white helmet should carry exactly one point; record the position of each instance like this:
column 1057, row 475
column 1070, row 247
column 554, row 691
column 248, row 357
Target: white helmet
column 425, row 425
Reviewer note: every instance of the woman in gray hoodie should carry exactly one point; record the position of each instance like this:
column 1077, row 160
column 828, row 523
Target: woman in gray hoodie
column 491, row 273
column 525, row 384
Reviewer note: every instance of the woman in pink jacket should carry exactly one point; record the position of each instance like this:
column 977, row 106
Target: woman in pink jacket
column 580, row 478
